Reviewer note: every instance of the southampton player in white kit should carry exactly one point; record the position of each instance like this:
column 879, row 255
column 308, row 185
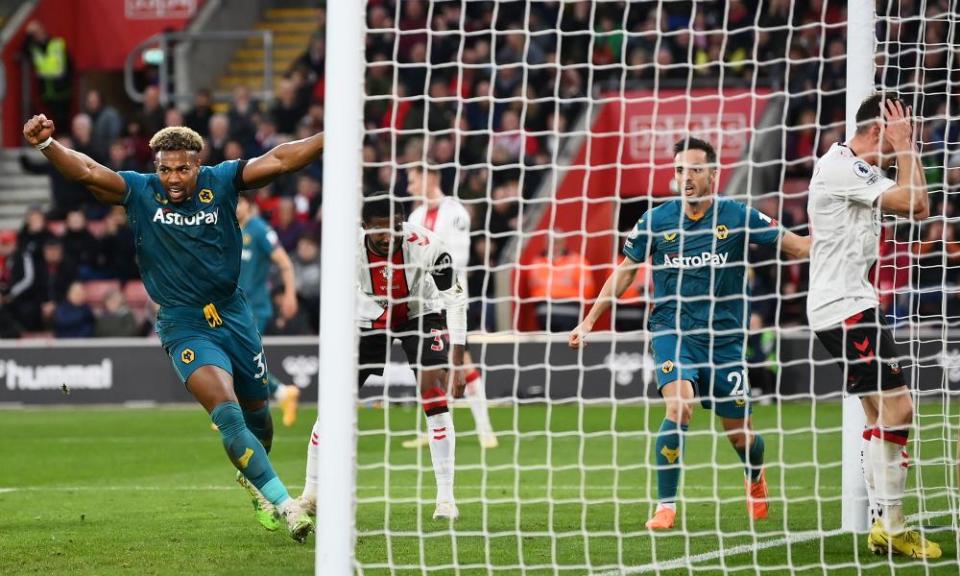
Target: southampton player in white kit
column 406, row 278
column 448, row 219
column 848, row 193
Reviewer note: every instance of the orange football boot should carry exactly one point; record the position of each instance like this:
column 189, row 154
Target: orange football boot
column 757, row 497
column 288, row 404
column 662, row 519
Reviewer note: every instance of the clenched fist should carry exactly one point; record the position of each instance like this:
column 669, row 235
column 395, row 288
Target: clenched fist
column 578, row 337
column 38, row 129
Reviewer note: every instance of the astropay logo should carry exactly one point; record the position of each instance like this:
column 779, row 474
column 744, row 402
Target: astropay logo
column 169, row 217
column 302, row 369
column 55, row 376
column 697, row 261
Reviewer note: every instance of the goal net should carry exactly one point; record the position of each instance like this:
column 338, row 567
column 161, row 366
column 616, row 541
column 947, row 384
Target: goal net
column 552, row 124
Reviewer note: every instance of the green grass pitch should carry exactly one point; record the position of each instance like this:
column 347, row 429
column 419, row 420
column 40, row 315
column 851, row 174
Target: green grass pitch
column 149, row 491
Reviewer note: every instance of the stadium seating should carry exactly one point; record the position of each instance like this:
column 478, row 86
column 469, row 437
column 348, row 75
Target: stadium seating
column 97, row 228
column 291, row 29
column 137, row 299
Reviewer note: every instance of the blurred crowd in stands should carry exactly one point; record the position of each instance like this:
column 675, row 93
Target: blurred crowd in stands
column 490, row 91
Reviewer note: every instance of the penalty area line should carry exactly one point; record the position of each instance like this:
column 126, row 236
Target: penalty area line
column 796, row 538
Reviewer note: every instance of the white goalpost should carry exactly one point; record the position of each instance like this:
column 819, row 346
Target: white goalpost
column 336, row 409
column 861, row 51
column 552, row 124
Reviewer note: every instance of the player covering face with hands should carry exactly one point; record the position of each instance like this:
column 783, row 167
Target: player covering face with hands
column 188, row 244
column 848, row 193
column 697, row 247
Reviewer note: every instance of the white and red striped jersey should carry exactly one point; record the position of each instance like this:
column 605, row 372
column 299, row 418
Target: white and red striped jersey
column 410, row 283
column 451, row 222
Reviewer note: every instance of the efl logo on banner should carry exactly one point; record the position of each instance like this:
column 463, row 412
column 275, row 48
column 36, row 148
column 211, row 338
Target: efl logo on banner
column 159, row 9
column 652, row 122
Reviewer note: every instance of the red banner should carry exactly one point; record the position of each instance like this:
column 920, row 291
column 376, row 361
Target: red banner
column 629, row 152
column 119, row 26
column 99, row 35
column 644, row 127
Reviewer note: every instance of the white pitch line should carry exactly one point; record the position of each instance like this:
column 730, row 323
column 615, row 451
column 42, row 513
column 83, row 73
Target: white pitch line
column 115, row 488
column 364, row 488
column 686, row 561
column 796, row 538
column 576, row 488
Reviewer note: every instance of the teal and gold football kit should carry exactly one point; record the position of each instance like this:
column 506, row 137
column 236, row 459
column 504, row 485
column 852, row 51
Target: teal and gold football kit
column 259, row 242
column 701, row 309
column 699, row 318
column 189, row 256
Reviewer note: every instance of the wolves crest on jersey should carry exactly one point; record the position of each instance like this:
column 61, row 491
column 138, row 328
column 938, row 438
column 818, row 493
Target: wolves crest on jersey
column 708, row 260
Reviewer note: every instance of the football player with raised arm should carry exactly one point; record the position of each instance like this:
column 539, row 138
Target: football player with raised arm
column 848, row 194
column 188, row 243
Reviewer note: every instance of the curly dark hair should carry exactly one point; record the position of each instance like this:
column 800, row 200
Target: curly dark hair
column 381, row 205
column 174, row 138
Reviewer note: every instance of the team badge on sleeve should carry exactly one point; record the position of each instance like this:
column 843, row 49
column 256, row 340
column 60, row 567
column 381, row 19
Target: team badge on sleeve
column 206, row 195
column 863, row 171
column 187, row 356
column 667, row 367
